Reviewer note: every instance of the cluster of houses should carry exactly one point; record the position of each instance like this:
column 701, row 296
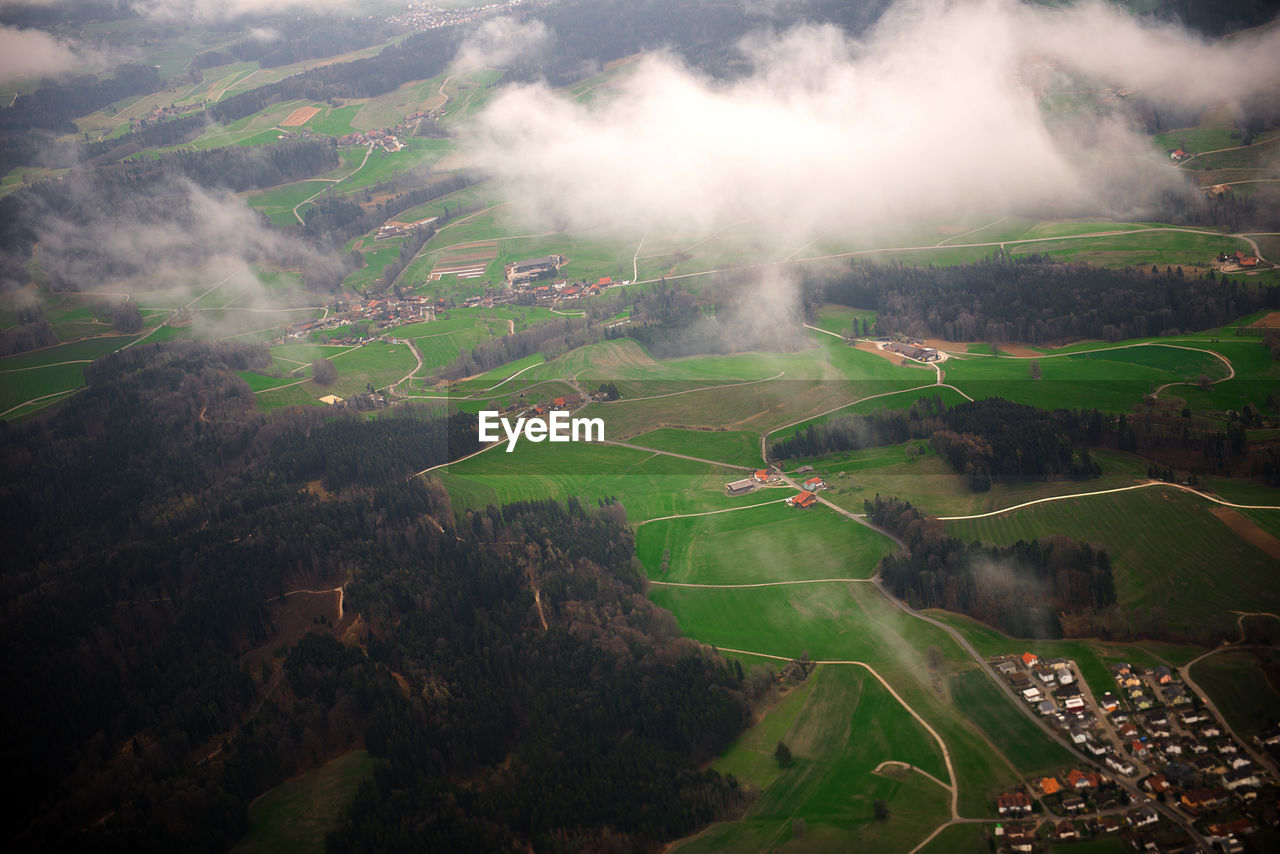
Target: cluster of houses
column 387, row 139
column 766, row 477
column 1150, row 728
column 541, row 410
column 396, row 229
column 426, row 15
column 807, row 496
column 1235, row 261
column 383, row 312
column 161, row 114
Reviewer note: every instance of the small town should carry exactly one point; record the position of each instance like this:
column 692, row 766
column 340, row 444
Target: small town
column 1157, row 762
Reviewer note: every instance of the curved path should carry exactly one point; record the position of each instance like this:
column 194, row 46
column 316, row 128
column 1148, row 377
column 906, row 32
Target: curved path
column 708, row 512
column 1146, row 485
column 946, row 754
column 692, row 390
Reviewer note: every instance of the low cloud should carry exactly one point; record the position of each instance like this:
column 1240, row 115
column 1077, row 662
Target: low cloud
column 33, row 52
column 936, row 114
column 500, row 41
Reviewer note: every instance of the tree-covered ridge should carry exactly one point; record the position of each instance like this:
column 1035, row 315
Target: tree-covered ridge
column 1026, row 589
column 155, row 524
column 1033, row 300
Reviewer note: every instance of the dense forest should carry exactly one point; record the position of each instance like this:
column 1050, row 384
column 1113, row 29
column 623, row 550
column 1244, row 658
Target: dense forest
column 1026, row 590
column 504, row 665
column 986, row 440
column 1033, row 300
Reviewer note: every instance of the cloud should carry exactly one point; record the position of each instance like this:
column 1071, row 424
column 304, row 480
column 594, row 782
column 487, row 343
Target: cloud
column 935, row 114
column 500, row 41
column 35, row 52
column 211, row 10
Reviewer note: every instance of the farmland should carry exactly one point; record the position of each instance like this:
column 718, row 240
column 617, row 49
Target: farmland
column 295, row 816
column 1159, row 562
column 764, row 544
column 1242, row 684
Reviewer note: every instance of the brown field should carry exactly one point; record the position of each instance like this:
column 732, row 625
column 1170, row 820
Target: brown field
column 868, row 347
column 300, row 117
column 1248, row 531
column 1270, row 321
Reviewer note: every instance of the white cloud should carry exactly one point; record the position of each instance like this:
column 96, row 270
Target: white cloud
column 933, row 115
column 35, row 52
column 500, row 41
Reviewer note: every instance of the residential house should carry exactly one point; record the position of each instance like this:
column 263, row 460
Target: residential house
column 1013, row 804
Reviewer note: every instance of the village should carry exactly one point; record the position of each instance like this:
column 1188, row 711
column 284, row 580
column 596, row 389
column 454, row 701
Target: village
column 1155, row 758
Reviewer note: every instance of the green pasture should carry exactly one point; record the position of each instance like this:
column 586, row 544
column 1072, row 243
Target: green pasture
column 1110, row 379
column 898, row 400
column 1164, row 546
column 839, row 319
column 278, row 203
column 86, row 348
column 376, row 258
column 1094, row 658
column 335, row 121
column 761, row 545
column 19, row 387
column 389, row 108
column 962, row 839
column 1242, row 684
column 649, row 485
column 296, row 815
column 383, row 165
column 994, row 713
column 739, row 446
column 1163, row 247
column 840, row 726
column 853, row 621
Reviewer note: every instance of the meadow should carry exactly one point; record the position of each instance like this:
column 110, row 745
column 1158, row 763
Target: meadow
column 296, row 815
column 740, row 447
column 769, row 543
column 1162, row 544
column 1238, row 683
column 840, row 726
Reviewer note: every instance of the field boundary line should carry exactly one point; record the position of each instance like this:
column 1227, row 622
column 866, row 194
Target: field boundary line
column 709, row 512
column 946, row 754
column 693, row 390
column 1146, row 485
column 761, row 584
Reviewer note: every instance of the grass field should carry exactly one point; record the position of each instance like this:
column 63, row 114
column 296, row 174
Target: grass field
column 296, row 815
column 740, row 447
column 1113, row 379
column 839, row 319
column 839, row 727
column 996, row 716
column 1237, row 682
column 853, row 621
column 1162, row 544
column 278, row 203
column 764, row 544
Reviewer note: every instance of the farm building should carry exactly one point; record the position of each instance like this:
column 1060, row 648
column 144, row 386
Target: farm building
column 762, row 476
column 533, row 268
column 814, row 483
column 802, row 499
column 741, row 487
column 922, row 354
column 331, row 399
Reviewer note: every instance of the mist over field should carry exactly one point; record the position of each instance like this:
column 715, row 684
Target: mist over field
column 935, row 114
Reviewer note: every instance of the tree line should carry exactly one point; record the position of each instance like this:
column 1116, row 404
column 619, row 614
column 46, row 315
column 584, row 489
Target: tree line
column 1022, row 589
column 1035, row 300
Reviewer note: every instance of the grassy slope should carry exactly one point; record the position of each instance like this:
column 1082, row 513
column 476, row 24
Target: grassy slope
column 295, row 816
column 839, row 726
column 769, row 543
column 1237, row 684
column 1163, row 545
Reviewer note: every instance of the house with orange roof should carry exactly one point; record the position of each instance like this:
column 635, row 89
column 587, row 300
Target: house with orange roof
column 1049, row 785
column 802, row 500
column 814, row 483
column 762, row 476
column 605, row 281
column 1030, row 659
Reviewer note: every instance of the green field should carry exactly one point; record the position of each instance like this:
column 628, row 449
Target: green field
column 296, row 815
column 764, row 544
column 1000, row 721
column 839, row 319
column 278, row 203
column 840, row 726
column 739, row 447
column 1111, row 379
column 1163, row 545
column 1238, row 684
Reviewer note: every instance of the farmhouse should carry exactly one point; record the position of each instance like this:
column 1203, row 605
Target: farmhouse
column 814, row 483
column 802, row 500
column 921, row 354
column 533, row 268
column 762, row 476
column 740, row 487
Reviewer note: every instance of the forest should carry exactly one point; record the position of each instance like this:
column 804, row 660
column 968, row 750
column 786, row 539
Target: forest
column 986, row 440
column 1026, row 589
column 1031, row 299
column 154, row 524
